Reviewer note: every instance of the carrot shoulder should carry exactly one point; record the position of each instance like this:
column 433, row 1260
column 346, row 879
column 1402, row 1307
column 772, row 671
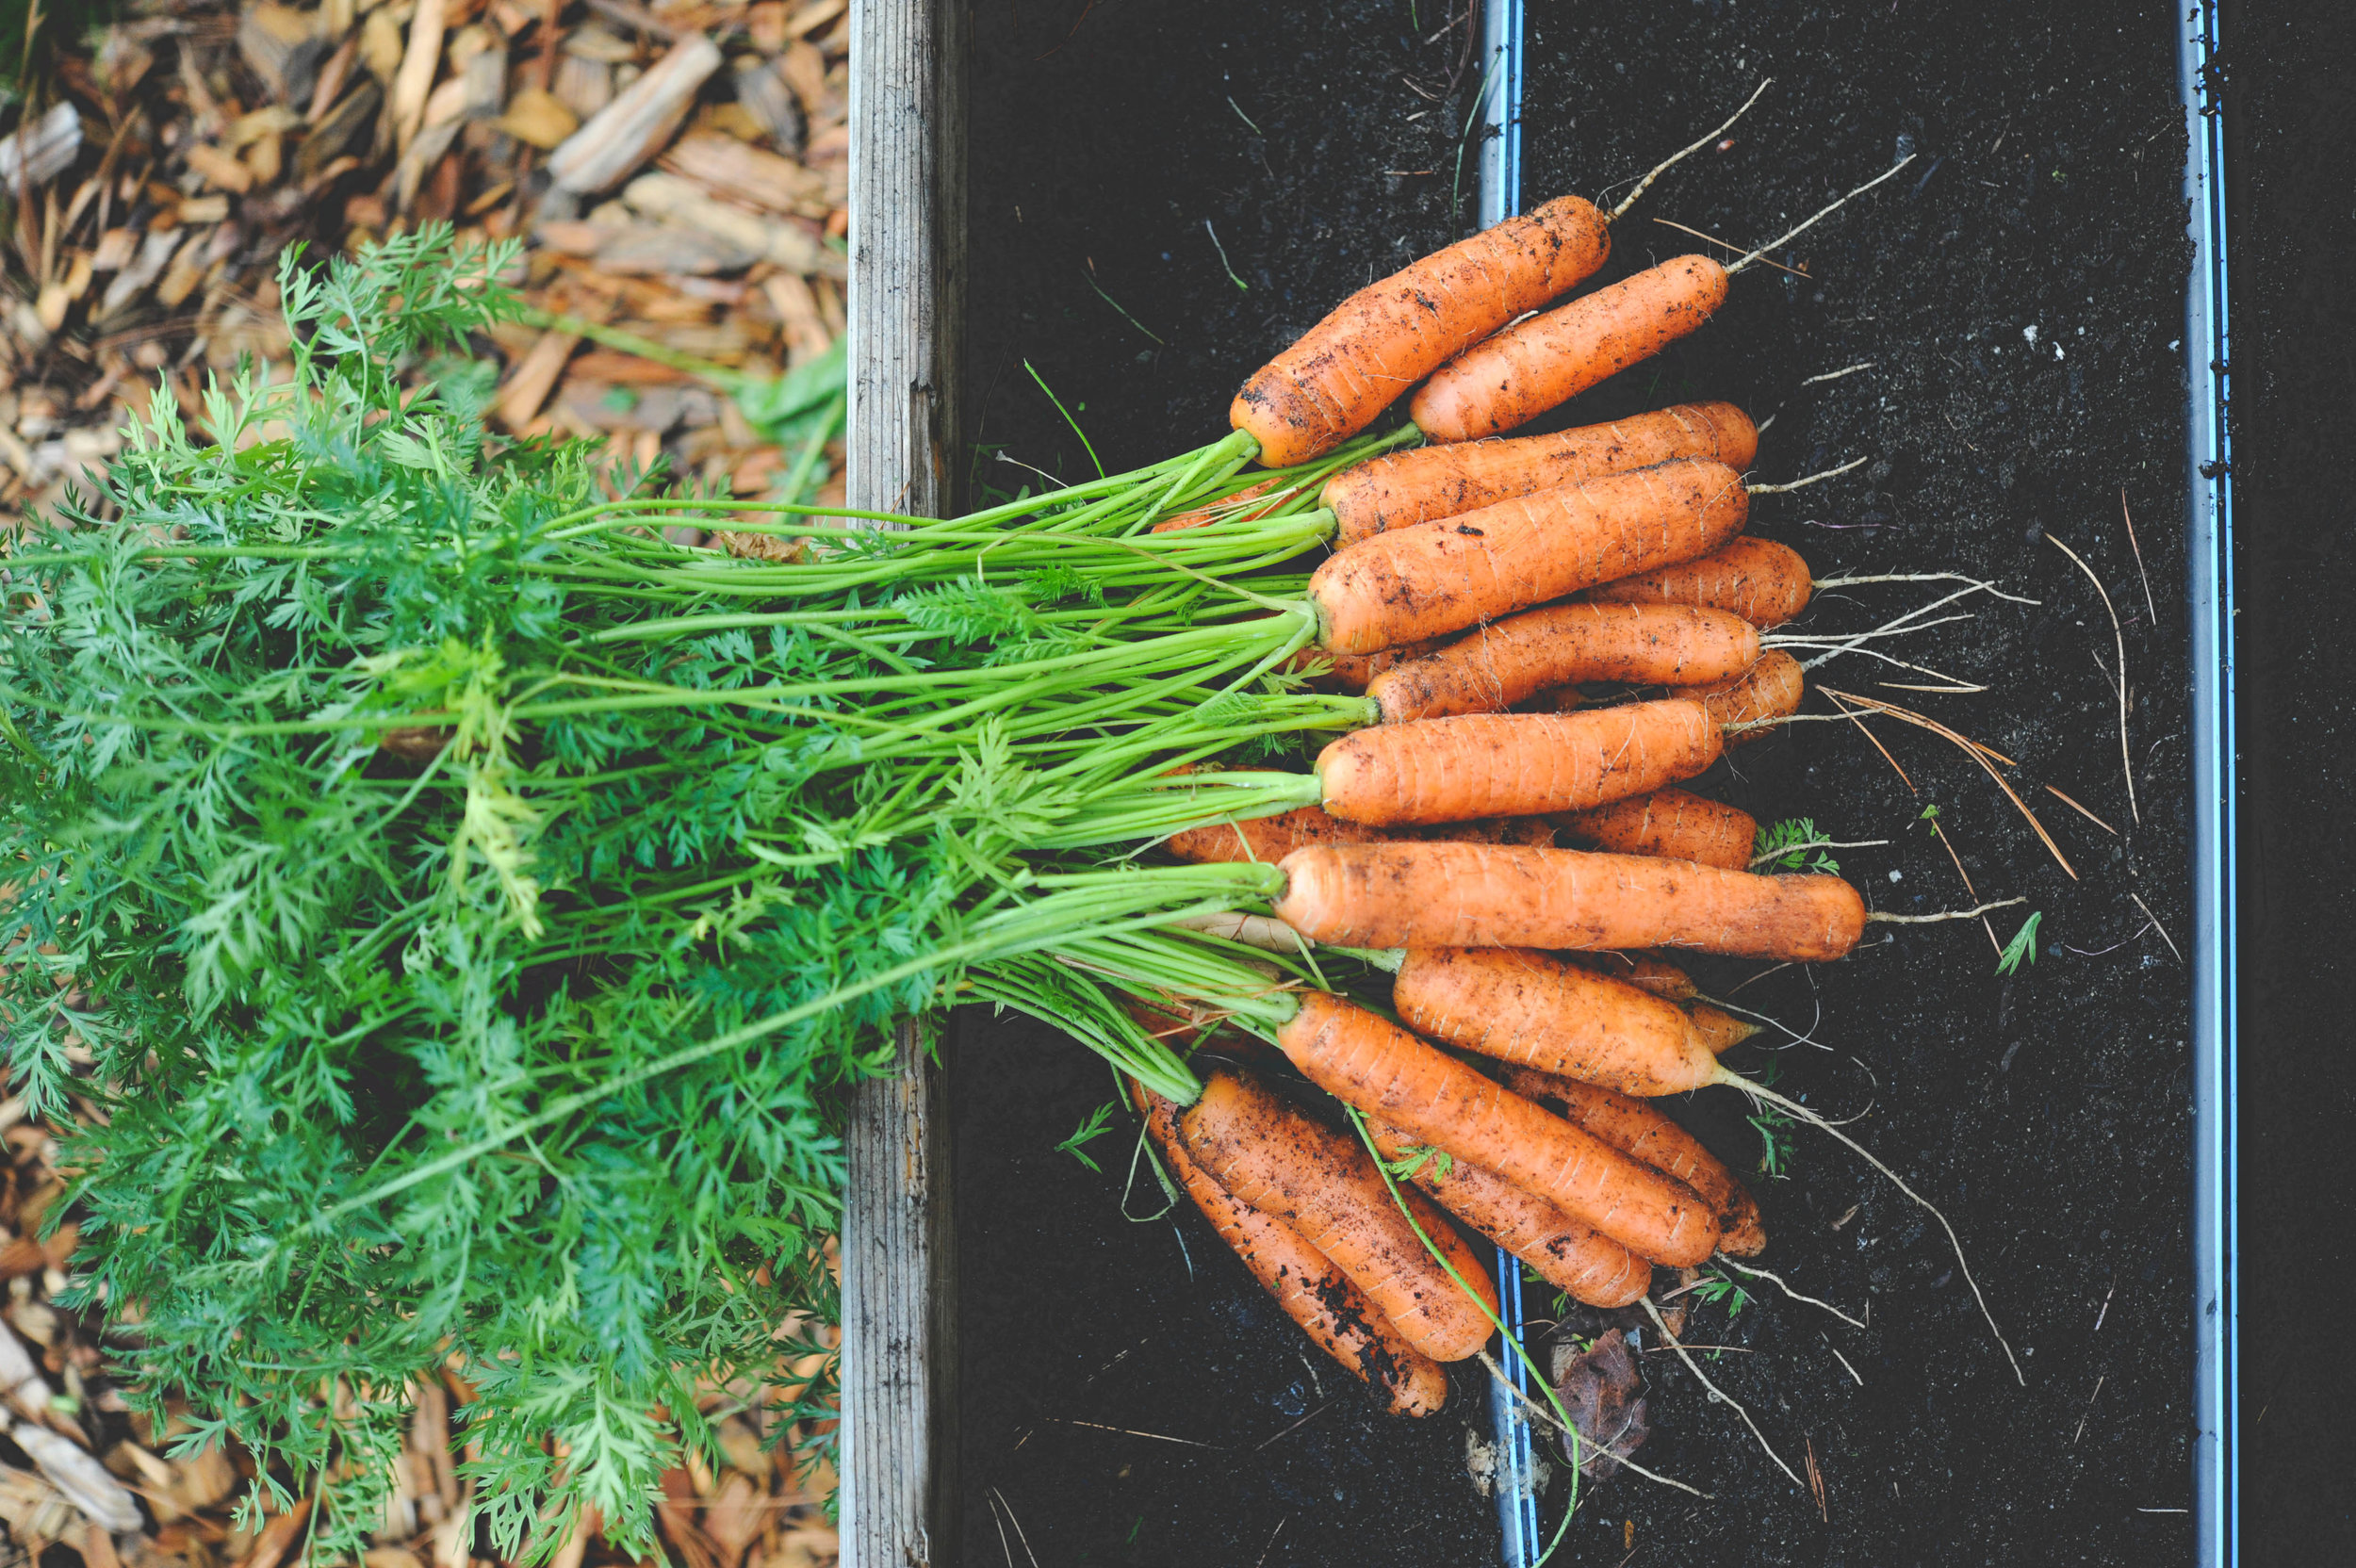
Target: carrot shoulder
column 1672, row 825
column 1313, row 1292
column 1510, row 895
column 1577, row 1259
column 1513, row 764
column 1411, row 583
column 1533, row 1010
column 1764, row 582
column 1275, row 1157
column 1388, row 1073
column 1505, row 661
column 1390, row 335
column 1427, row 484
column 1532, row 365
column 1642, row 1130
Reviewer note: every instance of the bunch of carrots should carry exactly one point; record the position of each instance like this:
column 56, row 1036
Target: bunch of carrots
column 472, row 727
column 1483, row 868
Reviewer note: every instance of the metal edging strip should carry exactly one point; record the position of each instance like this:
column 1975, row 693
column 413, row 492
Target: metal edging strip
column 2209, row 546
column 1500, row 186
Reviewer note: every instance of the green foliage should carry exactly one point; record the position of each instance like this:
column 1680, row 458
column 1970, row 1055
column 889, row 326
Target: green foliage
column 1092, row 1126
column 2023, row 948
column 461, row 908
column 1786, row 845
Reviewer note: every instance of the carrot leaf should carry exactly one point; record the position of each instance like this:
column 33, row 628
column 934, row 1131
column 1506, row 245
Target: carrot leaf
column 1092, row 1126
column 2023, row 948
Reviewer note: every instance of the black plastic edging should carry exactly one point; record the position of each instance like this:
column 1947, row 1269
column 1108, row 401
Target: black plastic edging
column 2215, row 935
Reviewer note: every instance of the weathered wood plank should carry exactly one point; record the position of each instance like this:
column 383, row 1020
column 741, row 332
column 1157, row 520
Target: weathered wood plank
column 906, row 309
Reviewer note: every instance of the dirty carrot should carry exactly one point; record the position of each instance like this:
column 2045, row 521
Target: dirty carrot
column 1750, row 705
column 1311, row 1291
column 1427, row 484
column 1382, row 340
column 1764, row 582
column 1533, row 1010
column 1275, row 1157
column 1513, row 764
column 1373, row 1064
column 1268, row 839
column 1505, row 661
column 1511, row 895
column 1577, row 1259
column 1535, row 365
column 1637, row 1129
column 1672, row 825
column 1414, row 582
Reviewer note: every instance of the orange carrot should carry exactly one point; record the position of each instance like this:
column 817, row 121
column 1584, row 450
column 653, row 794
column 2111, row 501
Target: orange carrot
column 1535, row 365
column 1226, row 508
column 1642, row 970
column 1506, row 895
column 1423, row 485
column 1670, row 824
column 1503, row 662
column 1270, row 1154
column 1640, row 1130
column 1533, row 1010
column 1306, row 1284
column 1351, row 672
column 1576, row 1259
column 1720, row 1031
column 1266, row 839
column 1382, row 340
column 1765, row 584
column 1414, row 582
column 1771, row 688
column 1373, row 1064
column 1513, row 764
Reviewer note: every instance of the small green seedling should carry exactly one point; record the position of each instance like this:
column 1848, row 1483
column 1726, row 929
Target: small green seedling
column 1092, row 1126
column 2023, row 948
column 1784, row 846
column 1715, row 1288
column 1775, row 1131
column 1410, row 1160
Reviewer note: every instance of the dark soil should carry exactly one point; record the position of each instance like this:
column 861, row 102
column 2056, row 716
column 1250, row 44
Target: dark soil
column 2290, row 121
column 2047, row 1112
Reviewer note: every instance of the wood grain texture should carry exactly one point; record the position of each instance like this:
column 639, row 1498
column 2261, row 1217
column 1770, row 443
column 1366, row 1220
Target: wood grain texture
column 906, row 309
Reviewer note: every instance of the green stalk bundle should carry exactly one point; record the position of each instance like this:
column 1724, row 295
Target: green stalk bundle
column 447, row 909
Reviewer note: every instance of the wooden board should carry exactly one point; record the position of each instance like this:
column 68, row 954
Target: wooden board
column 906, row 308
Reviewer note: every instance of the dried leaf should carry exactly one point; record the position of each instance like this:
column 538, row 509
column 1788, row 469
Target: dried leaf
column 1603, row 1394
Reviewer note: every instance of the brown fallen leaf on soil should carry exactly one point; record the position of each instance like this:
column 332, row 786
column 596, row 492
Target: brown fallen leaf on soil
column 1604, row 1396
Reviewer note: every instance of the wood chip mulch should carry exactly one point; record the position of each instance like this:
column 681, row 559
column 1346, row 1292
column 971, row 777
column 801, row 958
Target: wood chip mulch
column 677, row 171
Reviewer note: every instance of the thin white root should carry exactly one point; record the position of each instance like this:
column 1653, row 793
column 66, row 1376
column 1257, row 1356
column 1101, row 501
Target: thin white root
column 1804, row 483
column 1922, row 576
column 1808, row 1038
column 1836, row 375
column 1546, row 1418
column 1910, row 621
column 1787, row 238
column 2126, row 760
column 1777, row 1281
column 1693, row 1366
column 1795, row 1108
column 1646, row 184
column 1951, row 914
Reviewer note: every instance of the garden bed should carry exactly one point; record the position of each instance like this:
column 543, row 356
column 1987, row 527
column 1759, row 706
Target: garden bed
column 1128, row 1395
